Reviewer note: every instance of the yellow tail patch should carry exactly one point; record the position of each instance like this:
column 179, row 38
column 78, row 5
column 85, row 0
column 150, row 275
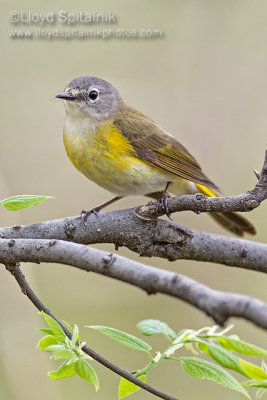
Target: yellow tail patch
column 232, row 221
column 205, row 190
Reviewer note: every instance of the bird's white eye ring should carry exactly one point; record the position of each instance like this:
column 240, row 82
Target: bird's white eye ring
column 93, row 94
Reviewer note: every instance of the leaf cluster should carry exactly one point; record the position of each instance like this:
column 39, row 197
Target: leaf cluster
column 207, row 341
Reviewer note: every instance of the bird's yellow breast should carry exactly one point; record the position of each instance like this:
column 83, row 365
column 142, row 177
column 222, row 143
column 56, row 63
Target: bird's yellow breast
column 106, row 157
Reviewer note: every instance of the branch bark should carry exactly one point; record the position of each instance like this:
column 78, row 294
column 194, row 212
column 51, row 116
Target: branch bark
column 154, row 238
column 216, row 304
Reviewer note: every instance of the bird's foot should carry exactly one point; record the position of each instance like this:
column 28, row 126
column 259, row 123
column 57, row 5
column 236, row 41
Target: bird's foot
column 85, row 214
column 95, row 210
column 162, row 204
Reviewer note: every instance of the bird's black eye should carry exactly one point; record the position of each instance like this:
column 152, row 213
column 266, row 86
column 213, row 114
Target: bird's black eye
column 93, row 94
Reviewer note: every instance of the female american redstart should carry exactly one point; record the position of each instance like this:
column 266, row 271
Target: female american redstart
column 125, row 152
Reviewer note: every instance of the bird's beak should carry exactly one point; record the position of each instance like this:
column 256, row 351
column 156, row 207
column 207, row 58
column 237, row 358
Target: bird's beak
column 66, row 96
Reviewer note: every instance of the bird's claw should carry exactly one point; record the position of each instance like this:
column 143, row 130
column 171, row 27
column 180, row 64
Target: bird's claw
column 162, row 205
column 85, row 214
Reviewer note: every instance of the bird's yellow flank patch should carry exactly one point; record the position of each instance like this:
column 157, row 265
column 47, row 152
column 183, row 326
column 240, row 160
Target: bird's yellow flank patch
column 112, row 140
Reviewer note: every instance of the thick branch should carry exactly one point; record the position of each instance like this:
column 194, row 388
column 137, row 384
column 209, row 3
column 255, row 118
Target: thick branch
column 156, row 238
column 217, row 304
column 26, row 289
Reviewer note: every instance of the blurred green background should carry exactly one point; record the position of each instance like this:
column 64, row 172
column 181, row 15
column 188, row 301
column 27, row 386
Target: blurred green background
column 205, row 82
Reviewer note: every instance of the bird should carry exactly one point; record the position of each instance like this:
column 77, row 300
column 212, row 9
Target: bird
column 125, row 152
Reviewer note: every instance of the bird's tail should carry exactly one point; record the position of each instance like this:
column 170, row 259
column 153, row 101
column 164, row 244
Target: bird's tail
column 232, row 221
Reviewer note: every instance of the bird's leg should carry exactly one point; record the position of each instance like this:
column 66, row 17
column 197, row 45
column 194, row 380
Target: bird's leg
column 162, row 202
column 95, row 210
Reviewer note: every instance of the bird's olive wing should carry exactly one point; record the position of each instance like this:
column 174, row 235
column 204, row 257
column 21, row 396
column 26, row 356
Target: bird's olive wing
column 157, row 147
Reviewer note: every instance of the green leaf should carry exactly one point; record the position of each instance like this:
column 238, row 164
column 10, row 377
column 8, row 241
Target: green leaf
column 68, row 325
column 85, row 371
column 16, row 203
column 223, row 357
column 241, row 347
column 230, row 361
column 203, row 369
column 255, row 383
column 64, row 371
column 126, row 387
column 70, row 329
column 149, row 327
column 203, row 347
column 46, row 341
column 252, row 371
column 75, row 335
column 122, row 337
column 60, row 351
column 45, row 330
column 54, row 326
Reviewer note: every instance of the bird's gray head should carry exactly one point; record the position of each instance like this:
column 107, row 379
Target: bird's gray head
column 92, row 97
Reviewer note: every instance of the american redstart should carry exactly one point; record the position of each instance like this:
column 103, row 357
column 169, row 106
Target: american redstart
column 125, row 152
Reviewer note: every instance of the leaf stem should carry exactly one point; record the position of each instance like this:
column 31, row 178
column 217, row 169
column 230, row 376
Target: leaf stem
column 145, row 370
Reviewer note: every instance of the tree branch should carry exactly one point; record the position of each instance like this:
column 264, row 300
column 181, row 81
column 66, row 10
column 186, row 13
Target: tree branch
column 26, row 289
column 158, row 238
column 216, row 304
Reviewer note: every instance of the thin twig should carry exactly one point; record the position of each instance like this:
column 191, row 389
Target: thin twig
column 216, row 304
column 26, row 289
